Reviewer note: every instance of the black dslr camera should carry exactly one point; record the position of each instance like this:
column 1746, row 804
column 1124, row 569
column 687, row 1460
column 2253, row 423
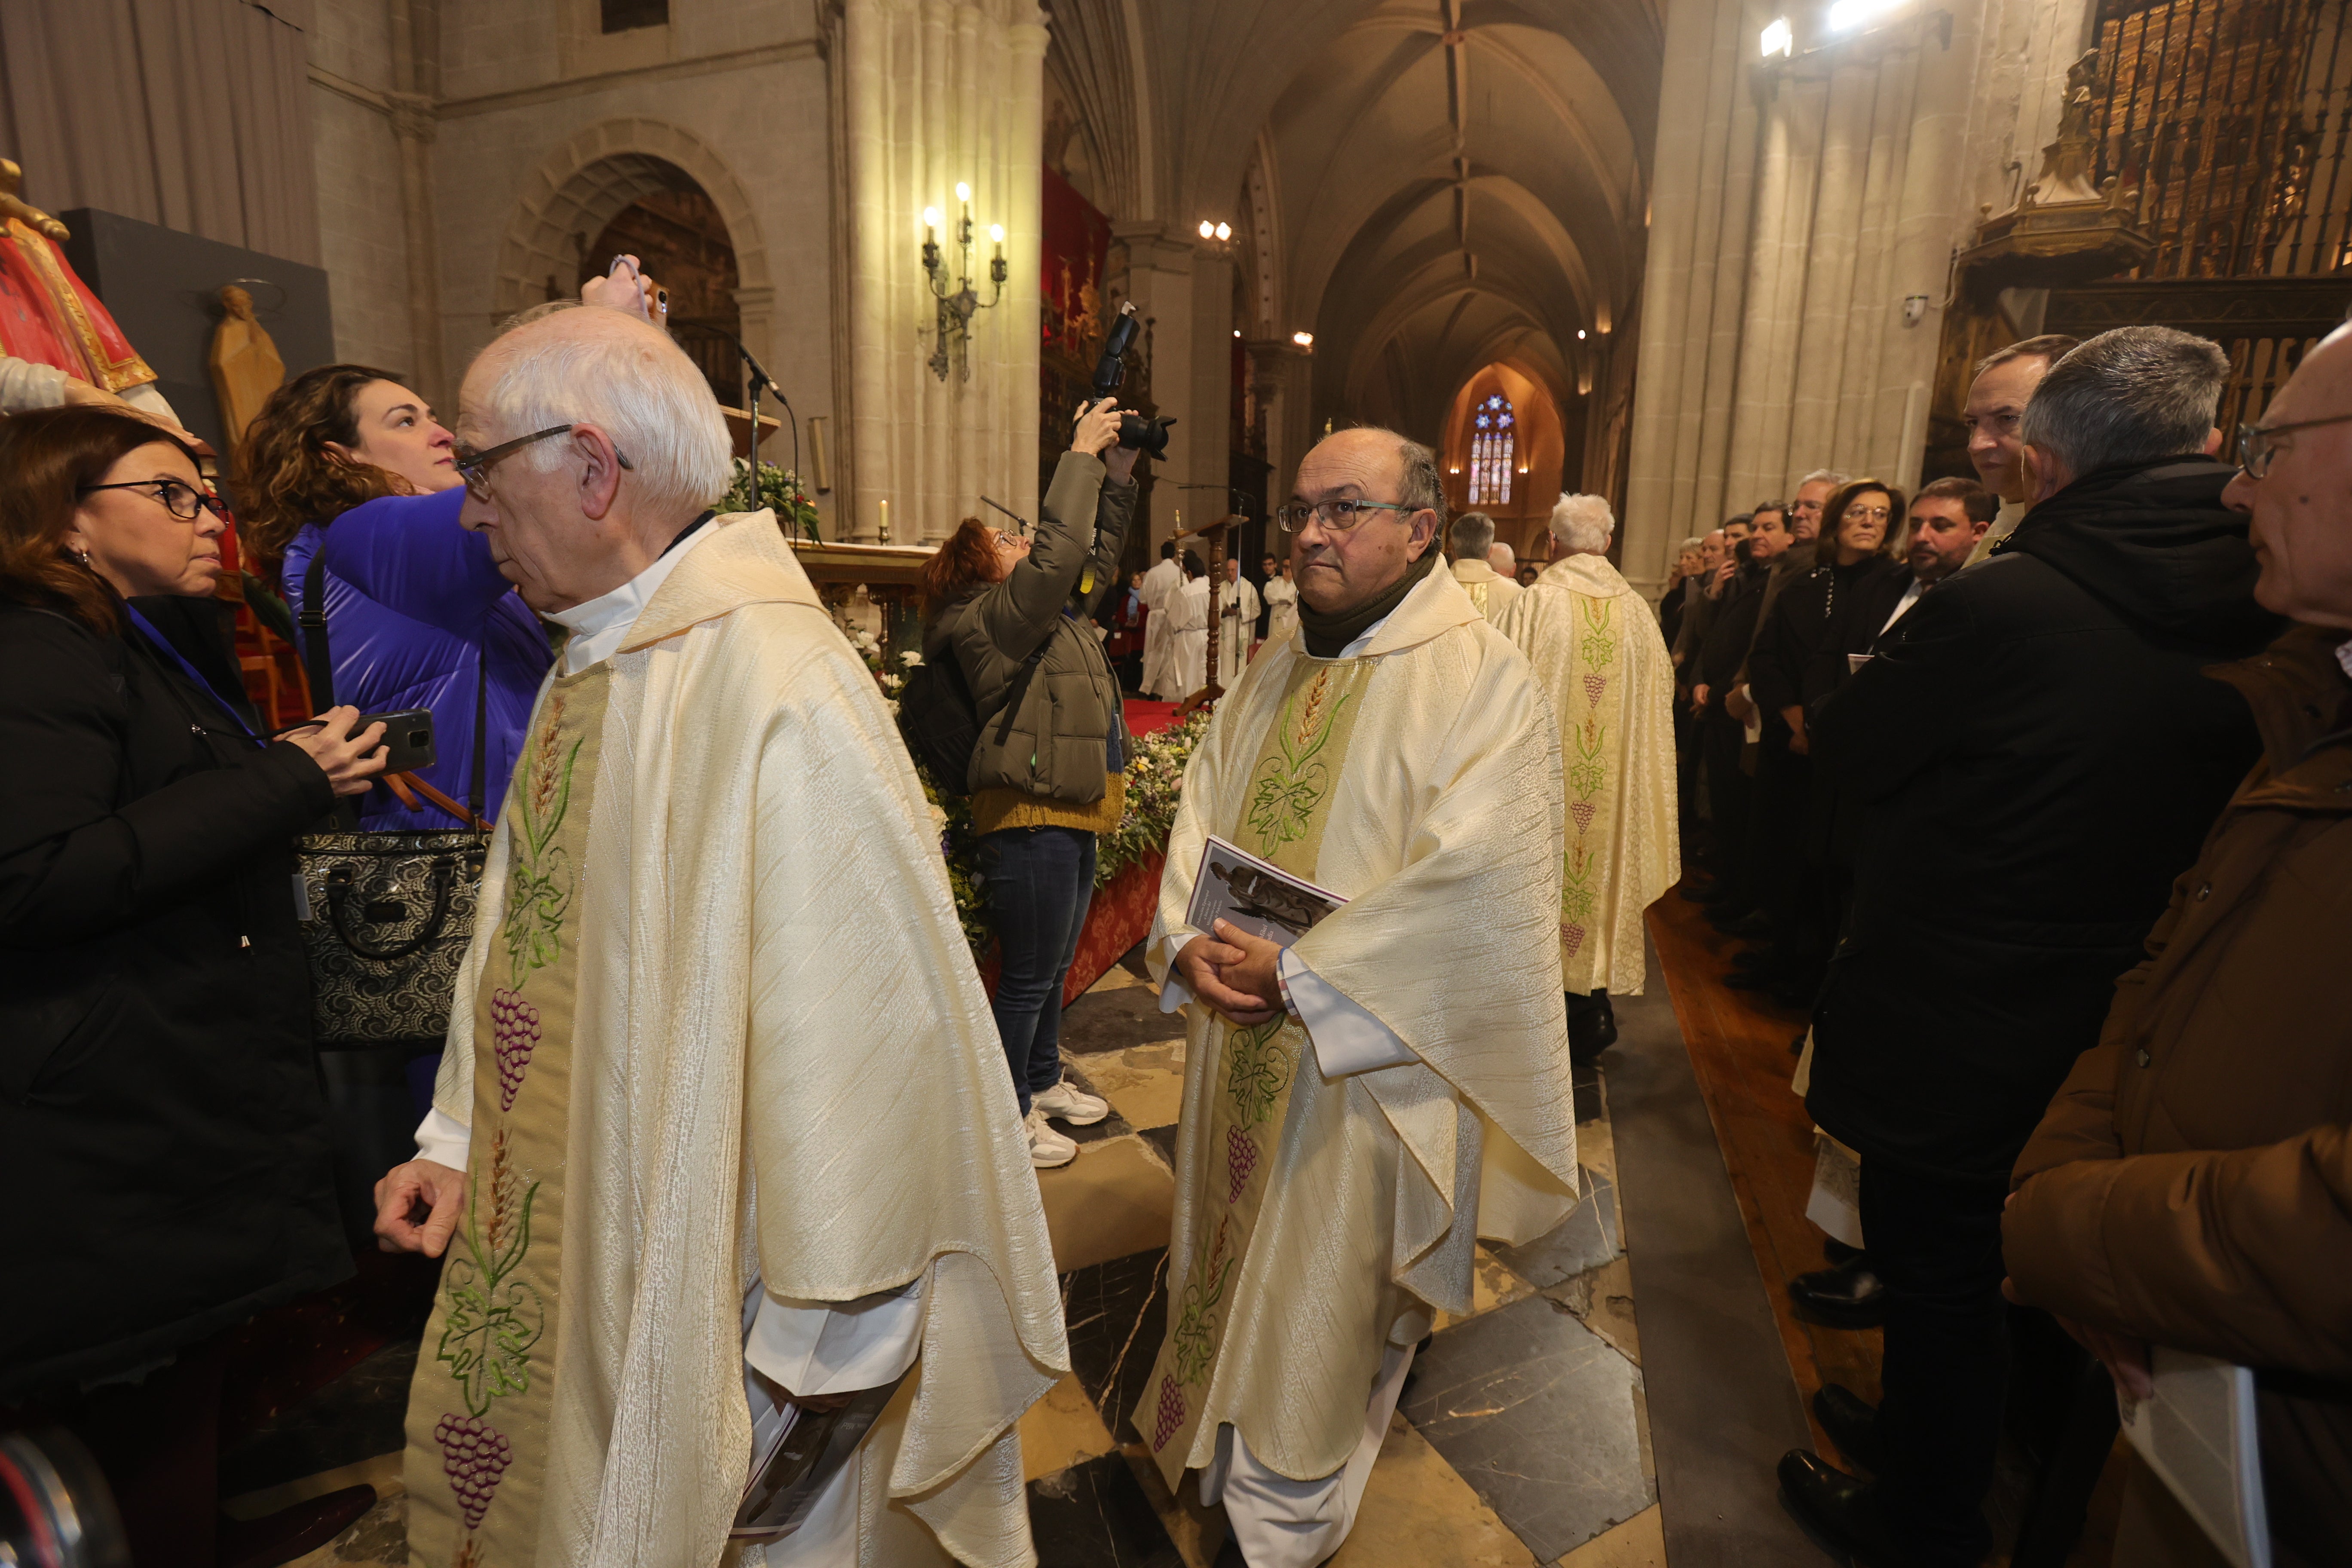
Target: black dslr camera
column 1149, row 437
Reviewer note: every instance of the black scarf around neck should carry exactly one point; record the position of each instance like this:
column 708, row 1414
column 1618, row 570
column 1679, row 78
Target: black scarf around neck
column 1327, row 635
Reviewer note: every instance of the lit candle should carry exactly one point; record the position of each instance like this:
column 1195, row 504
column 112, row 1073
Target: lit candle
column 996, row 233
column 886, row 523
column 931, row 223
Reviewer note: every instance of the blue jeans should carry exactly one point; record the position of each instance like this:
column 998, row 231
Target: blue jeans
column 1038, row 882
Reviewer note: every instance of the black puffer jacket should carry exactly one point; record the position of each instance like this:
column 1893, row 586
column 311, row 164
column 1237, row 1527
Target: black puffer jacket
column 2035, row 754
column 161, row 1121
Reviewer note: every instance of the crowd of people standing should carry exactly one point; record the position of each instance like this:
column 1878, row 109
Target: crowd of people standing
column 1944, row 805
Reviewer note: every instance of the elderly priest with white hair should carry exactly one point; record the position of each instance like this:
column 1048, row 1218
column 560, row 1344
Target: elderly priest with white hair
column 1361, row 1106
column 1598, row 652
column 1470, row 543
column 714, row 926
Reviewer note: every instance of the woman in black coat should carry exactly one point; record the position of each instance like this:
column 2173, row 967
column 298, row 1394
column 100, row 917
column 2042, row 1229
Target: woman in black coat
column 161, row 1121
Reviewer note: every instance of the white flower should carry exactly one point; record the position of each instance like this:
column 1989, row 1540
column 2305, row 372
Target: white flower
column 938, row 818
column 911, row 659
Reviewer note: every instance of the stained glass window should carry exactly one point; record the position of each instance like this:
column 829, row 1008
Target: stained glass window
column 1494, row 443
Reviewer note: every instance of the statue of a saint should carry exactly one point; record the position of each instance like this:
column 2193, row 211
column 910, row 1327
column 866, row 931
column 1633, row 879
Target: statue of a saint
column 58, row 344
column 245, row 363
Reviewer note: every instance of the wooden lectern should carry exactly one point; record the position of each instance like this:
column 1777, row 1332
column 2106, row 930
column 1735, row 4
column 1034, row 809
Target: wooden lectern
column 1216, row 534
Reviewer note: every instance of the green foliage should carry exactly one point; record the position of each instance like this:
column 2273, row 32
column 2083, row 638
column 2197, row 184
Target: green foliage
column 779, row 491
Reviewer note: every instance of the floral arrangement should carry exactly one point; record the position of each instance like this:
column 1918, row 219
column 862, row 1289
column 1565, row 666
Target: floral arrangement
column 780, row 490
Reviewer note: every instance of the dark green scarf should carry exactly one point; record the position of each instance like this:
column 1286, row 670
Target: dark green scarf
column 1327, row 635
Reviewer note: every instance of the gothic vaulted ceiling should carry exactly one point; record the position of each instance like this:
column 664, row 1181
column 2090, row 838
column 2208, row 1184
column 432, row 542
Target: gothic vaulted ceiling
column 1431, row 186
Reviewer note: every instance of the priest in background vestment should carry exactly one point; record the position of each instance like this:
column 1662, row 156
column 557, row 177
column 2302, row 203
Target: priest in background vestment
column 722, row 1122
column 1360, row 1108
column 1237, row 611
column 1160, row 585
column 1469, row 543
column 1597, row 650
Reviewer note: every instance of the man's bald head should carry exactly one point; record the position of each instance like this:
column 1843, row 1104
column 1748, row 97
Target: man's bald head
column 1339, row 569
column 1502, row 558
column 2302, row 506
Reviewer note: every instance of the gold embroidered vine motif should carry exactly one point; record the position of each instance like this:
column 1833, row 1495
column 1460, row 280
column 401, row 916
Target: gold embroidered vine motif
column 1287, row 787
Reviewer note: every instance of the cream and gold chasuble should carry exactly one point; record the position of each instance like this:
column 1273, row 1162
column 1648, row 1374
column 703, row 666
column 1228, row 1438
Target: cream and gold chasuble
column 485, row 1418
column 723, row 920
column 1597, row 650
column 1317, row 1218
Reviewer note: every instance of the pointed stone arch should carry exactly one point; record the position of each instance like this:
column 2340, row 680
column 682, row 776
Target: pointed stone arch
column 583, row 183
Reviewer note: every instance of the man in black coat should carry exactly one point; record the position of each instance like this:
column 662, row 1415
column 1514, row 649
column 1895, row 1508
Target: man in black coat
column 1730, row 633
column 2035, row 755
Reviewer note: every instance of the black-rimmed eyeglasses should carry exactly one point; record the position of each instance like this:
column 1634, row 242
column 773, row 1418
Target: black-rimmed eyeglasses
column 473, row 466
column 182, row 500
column 2256, row 446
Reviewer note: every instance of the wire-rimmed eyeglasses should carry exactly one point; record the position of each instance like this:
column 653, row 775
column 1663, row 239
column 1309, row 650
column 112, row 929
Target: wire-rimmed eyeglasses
column 1339, row 516
column 2256, row 446
column 473, row 466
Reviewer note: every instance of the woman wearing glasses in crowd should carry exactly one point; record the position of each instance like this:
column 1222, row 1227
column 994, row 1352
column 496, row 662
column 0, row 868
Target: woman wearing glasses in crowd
column 158, row 1088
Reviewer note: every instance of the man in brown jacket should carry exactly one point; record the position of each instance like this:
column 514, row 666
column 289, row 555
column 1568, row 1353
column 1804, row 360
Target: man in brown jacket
column 2191, row 1184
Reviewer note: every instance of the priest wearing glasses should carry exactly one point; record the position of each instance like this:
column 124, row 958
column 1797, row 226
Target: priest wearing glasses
column 1360, row 1107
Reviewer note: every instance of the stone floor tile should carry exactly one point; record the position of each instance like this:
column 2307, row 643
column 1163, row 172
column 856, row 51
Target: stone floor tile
column 1639, row 1542
column 1145, row 1084
column 357, row 1417
column 1596, row 1148
column 1591, row 1100
column 1162, row 1140
column 1603, row 1299
column 1112, row 1200
column 1112, row 1020
column 1117, row 1314
column 1587, row 1238
column 1417, row 1513
column 1492, row 1284
column 1061, row 1430
column 1537, row 1414
column 1096, row 1515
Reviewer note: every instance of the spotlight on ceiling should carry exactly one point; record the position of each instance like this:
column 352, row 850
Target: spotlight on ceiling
column 1304, row 339
column 1237, row 331
column 1208, row 229
column 1224, row 231
column 1579, row 334
column 1846, row 14
column 1780, row 39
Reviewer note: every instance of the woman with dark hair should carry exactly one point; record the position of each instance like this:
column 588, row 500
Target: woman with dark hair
column 1012, row 614
column 158, row 1092
column 346, row 478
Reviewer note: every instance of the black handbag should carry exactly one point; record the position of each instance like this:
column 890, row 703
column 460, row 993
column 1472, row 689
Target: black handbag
column 388, row 915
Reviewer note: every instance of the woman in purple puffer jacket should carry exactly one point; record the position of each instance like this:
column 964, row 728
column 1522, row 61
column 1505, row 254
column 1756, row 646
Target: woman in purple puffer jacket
column 345, row 461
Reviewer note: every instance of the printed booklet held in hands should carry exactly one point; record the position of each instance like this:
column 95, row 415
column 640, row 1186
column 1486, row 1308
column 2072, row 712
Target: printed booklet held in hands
column 1259, row 897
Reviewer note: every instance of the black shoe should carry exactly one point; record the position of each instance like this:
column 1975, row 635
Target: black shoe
column 1840, row 1510
column 1592, row 1028
column 1851, row 1423
column 1851, row 1296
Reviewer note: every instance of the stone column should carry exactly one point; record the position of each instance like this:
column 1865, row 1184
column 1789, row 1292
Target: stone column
column 938, row 93
column 1187, row 295
column 1282, row 374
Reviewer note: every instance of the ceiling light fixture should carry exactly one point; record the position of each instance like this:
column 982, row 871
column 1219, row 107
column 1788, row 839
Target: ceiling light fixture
column 1579, row 334
column 1779, row 38
column 1846, row 14
column 1304, row 339
column 1208, row 229
column 1224, row 231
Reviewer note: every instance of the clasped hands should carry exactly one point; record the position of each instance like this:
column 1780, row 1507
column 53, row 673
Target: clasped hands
column 1233, row 972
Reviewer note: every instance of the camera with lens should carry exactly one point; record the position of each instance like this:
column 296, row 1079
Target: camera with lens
column 1149, row 437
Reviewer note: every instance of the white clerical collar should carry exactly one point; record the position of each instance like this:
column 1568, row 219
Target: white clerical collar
column 598, row 627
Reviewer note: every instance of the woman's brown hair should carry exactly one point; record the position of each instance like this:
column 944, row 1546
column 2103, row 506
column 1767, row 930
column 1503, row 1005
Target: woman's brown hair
column 965, row 562
column 1833, row 518
column 48, row 456
column 285, row 474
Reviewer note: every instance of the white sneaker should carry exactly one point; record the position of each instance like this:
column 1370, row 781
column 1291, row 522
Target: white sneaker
column 1047, row 1148
column 1071, row 1105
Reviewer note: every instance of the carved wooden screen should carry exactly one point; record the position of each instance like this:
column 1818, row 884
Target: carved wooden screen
column 2228, row 125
